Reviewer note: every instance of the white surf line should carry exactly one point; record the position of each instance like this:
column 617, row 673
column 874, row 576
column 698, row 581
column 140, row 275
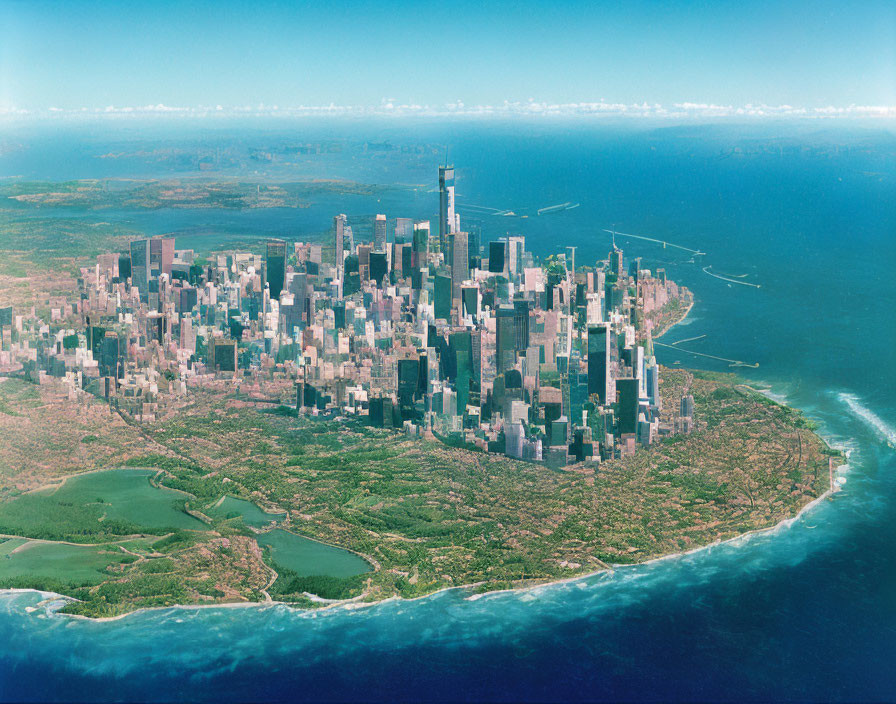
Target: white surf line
column 732, row 362
column 479, row 207
column 870, row 418
column 689, row 339
column 568, row 205
column 737, row 276
column 725, row 278
column 652, row 239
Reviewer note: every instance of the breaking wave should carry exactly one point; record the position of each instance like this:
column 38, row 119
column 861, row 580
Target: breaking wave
column 869, row 418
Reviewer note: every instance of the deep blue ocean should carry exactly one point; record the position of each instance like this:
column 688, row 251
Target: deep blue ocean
column 805, row 612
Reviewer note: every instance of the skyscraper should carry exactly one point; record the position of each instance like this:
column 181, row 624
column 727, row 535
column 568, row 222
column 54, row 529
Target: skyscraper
column 161, row 256
column 497, row 257
column 598, row 361
column 379, row 267
column 627, row 420
column 505, row 338
column 109, row 352
column 447, row 220
column 442, row 297
column 460, row 262
column 420, row 246
column 616, row 263
column 339, row 229
column 404, row 229
column 461, row 349
column 379, row 233
column 408, row 383
column 140, row 265
column 470, row 300
column 521, row 324
column 516, row 248
column 275, row 266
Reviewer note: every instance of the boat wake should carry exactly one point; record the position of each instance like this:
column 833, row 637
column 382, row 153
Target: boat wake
column 870, row 418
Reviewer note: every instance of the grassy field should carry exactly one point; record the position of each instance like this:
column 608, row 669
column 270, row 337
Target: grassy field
column 98, row 505
column 80, row 564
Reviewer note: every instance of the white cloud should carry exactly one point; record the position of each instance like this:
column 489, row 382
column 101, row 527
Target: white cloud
column 389, row 106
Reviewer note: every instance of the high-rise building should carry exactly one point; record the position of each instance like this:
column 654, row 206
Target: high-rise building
column 442, row 296
column 339, row 223
column 616, row 263
column 516, row 249
column 470, row 300
column 638, row 369
column 474, row 247
column 497, row 257
column 364, row 261
column 460, row 262
column 627, row 420
column 447, row 220
column 379, row 267
column 521, row 324
column 404, row 229
column 275, row 266
column 505, row 338
column 161, row 256
column 222, row 354
column 140, row 265
column 599, row 361
column 420, row 245
column 461, row 349
column 379, row 233
column 408, row 383
column 124, row 266
column 109, row 353
column 652, row 373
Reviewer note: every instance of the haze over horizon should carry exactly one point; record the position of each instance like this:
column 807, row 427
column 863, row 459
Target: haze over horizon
column 753, row 59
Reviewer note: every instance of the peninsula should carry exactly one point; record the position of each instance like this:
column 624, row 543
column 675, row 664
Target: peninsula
column 362, row 419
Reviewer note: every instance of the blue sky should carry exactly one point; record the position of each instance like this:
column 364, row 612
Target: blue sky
column 72, row 54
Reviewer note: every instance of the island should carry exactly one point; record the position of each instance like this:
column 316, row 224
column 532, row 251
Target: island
column 347, row 421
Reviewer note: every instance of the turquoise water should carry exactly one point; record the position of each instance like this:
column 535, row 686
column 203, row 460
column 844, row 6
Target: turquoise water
column 308, row 557
column 804, row 612
column 251, row 514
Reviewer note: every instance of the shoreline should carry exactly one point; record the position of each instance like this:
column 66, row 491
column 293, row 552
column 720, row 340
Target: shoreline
column 684, row 317
column 355, row 602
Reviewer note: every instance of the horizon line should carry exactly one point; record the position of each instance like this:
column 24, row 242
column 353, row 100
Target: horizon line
column 530, row 108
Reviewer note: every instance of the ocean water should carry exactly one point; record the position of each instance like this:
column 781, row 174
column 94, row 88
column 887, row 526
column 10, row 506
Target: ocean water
column 806, row 611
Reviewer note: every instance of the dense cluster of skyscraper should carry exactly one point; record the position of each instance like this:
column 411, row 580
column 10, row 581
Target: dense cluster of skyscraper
column 429, row 333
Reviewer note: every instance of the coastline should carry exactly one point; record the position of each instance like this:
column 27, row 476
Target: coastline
column 687, row 312
column 357, row 601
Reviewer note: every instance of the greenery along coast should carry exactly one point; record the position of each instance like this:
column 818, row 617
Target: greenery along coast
column 224, row 496
column 424, row 516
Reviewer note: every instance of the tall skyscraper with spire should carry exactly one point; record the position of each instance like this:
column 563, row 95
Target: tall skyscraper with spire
column 447, row 219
